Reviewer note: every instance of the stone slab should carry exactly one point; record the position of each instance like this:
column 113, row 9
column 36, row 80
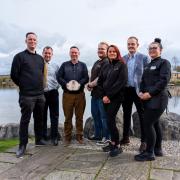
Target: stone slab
column 66, row 175
column 11, row 158
column 159, row 174
column 176, row 176
column 5, row 166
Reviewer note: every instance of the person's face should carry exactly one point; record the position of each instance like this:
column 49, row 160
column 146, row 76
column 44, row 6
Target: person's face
column 102, row 51
column 154, row 51
column 132, row 45
column 47, row 54
column 112, row 54
column 31, row 41
column 74, row 54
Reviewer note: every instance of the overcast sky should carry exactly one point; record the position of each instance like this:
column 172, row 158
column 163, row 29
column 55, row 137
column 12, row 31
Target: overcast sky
column 62, row 23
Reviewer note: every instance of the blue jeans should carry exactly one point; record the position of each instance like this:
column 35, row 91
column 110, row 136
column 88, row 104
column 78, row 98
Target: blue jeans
column 100, row 119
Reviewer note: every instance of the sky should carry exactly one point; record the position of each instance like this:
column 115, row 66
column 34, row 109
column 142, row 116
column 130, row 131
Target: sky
column 84, row 23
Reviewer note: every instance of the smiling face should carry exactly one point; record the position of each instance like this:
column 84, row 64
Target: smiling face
column 74, row 54
column 154, row 50
column 31, row 41
column 102, row 50
column 47, row 54
column 132, row 45
column 112, row 54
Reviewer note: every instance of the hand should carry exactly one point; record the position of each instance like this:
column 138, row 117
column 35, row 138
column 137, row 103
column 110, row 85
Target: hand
column 140, row 95
column 106, row 100
column 145, row 96
column 89, row 88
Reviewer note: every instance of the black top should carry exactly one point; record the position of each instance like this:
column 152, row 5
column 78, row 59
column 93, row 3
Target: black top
column 155, row 79
column 69, row 71
column 98, row 65
column 113, row 79
column 27, row 73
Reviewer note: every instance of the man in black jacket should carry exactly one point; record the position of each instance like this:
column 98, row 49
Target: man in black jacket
column 27, row 73
column 73, row 76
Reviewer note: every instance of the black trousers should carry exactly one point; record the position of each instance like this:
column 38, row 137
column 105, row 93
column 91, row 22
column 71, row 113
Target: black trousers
column 111, row 111
column 131, row 97
column 29, row 105
column 152, row 128
column 52, row 103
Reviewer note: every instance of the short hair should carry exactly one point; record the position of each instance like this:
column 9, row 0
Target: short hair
column 30, row 33
column 47, row 47
column 103, row 43
column 133, row 37
column 74, row 47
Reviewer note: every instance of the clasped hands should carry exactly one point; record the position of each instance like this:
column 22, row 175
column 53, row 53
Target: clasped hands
column 144, row 96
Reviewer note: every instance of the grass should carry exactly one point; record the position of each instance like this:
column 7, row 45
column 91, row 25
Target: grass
column 7, row 144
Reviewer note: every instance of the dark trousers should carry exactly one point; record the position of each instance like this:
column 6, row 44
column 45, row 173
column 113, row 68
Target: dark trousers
column 28, row 105
column 111, row 111
column 131, row 97
column 52, row 103
column 152, row 128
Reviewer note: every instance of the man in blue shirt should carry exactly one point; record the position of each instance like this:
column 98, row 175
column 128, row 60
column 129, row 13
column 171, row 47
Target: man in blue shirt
column 135, row 62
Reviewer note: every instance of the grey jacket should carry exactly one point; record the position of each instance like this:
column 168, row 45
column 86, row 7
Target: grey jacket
column 140, row 62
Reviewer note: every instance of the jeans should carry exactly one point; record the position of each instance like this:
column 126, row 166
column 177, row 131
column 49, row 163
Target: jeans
column 100, row 119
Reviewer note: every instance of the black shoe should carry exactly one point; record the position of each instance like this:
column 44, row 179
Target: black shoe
column 142, row 147
column 41, row 143
column 21, row 151
column 106, row 148
column 145, row 156
column 125, row 141
column 54, row 142
column 94, row 138
column 158, row 152
column 115, row 151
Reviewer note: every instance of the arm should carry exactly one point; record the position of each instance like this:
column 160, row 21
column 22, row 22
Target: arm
column 85, row 77
column 15, row 69
column 60, row 76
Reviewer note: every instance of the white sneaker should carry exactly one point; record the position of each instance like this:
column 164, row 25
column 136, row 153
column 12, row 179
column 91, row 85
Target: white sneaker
column 103, row 142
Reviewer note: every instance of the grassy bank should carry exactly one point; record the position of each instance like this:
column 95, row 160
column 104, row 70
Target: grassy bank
column 6, row 144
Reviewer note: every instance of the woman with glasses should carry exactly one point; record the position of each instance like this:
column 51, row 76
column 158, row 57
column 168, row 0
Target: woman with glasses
column 111, row 82
column 154, row 93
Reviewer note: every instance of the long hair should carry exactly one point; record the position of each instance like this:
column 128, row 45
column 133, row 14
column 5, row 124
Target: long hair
column 119, row 57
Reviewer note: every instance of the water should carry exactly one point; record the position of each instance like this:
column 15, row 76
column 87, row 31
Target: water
column 10, row 111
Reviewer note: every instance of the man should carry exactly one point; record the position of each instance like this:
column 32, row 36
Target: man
column 51, row 95
column 72, row 76
column 97, row 107
column 135, row 62
column 27, row 73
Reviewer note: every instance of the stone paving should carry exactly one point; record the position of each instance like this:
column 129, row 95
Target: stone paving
column 86, row 162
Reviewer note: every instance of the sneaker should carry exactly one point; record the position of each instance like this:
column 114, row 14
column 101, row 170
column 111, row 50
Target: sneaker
column 94, row 138
column 41, row 143
column 21, row 151
column 158, row 152
column 115, row 151
column 125, row 141
column 103, row 142
column 145, row 156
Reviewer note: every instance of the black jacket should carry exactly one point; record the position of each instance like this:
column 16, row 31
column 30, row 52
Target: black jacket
column 27, row 73
column 96, row 69
column 69, row 71
column 155, row 79
column 113, row 79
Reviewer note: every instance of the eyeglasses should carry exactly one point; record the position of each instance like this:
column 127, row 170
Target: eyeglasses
column 152, row 48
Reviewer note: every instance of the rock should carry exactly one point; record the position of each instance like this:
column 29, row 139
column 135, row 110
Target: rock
column 89, row 125
column 170, row 125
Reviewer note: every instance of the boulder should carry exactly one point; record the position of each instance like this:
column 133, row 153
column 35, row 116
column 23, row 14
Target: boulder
column 170, row 125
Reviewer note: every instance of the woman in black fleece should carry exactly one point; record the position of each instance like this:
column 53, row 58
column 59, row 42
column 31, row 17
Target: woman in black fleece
column 112, row 80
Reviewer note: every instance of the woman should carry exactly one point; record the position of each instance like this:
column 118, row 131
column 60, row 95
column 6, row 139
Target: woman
column 112, row 80
column 154, row 94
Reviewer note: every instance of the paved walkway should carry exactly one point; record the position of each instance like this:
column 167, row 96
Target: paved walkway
column 85, row 162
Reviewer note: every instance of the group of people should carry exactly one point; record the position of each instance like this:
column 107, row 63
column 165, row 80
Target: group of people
column 114, row 81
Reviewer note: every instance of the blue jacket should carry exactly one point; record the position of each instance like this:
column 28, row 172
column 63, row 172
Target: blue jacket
column 140, row 62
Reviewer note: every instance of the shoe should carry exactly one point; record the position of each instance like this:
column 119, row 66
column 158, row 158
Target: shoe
column 79, row 139
column 115, row 151
column 103, row 142
column 145, row 156
column 158, row 152
column 106, row 148
column 142, row 147
column 94, row 138
column 41, row 143
column 67, row 143
column 21, row 151
column 125, row 141
column 54, row 142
